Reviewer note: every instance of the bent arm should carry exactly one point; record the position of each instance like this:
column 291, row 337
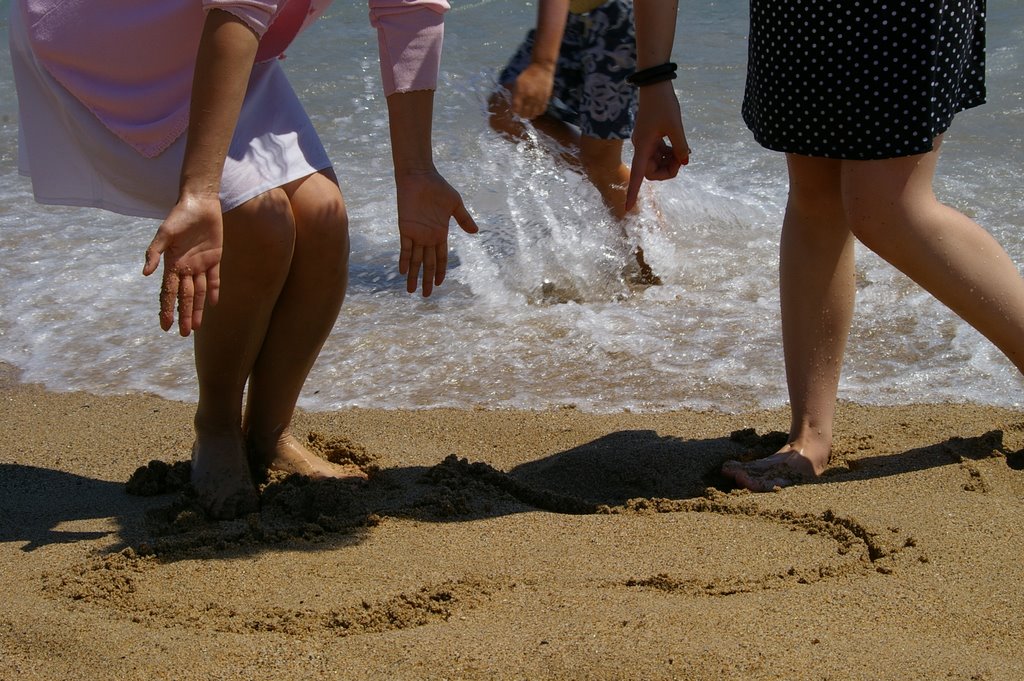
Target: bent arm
column 190, row 240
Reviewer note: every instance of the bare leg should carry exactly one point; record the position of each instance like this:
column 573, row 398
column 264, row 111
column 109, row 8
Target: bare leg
column 258, row 243
column 890, row 206
column 602, row 163
column 816, row 279
column 303, row 316
column 893, row 211
column 284, row 274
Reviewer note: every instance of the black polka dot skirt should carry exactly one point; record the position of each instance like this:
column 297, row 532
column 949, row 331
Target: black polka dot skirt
column 861, row 79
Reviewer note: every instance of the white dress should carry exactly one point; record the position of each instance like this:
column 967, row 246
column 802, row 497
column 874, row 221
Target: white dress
column 75, row 160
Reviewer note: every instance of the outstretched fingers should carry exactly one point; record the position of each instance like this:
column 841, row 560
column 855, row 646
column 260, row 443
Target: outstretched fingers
column 210, row 296
column 426, row 206
column 430, row 267
column 186, row 295
column 190, row 243
column 200, row 285
column 410, row 260
column 153, row 252
column 189, row 293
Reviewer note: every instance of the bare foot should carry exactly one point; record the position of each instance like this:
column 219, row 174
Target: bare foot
column 220, row 477
column 786, row 467
column 288, row 455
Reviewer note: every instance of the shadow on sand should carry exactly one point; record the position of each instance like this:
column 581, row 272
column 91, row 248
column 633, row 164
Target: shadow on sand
column 41, row 507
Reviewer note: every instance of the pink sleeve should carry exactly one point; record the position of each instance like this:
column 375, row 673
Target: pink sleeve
column 409, row 35
column 255, row 13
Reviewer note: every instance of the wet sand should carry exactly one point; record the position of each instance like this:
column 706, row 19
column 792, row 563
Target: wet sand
column 513, row 545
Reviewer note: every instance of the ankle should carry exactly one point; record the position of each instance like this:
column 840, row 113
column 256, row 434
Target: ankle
column 207, row 427
column 267, row 441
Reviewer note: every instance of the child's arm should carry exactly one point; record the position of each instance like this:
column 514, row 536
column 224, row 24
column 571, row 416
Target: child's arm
column 533, row 86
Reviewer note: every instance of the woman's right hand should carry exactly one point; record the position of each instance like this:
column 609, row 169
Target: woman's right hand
column 657, row 117
column 191, row 241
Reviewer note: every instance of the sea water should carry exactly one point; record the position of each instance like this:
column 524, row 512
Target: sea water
column 534, row 313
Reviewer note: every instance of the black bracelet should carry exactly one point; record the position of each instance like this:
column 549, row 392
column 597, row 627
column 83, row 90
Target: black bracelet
column 656, row 79
column 654, row 74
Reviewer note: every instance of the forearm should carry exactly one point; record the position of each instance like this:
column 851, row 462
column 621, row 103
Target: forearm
column 547, row 40
column 224, row 62
column 655, row 31
column 409, row 118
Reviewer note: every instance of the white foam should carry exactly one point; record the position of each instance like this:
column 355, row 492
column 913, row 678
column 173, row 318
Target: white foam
column 75, row 312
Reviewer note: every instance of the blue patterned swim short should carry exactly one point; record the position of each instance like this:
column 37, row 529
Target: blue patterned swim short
column 590, row 90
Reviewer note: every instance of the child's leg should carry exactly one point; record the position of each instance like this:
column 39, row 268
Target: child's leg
column 816, row 279
column 259, row 239
column 891, row 208
column 602, row 163
column 305, row 312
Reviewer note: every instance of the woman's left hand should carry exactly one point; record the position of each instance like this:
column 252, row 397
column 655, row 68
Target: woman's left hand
column 426, row 205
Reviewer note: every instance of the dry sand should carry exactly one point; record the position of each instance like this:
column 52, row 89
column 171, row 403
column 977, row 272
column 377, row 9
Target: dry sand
column 513, row 545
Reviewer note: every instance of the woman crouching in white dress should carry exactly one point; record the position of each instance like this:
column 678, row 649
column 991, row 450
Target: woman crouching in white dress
column 178, row 110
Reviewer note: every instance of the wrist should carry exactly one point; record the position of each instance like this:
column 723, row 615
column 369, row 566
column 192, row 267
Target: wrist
column 200, row 181
column 652, row 75
column 417, row 169
column 658, row 89
column 199, row 194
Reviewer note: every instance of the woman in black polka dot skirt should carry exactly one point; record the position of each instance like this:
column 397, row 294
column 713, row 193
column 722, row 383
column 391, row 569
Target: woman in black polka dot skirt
column 858, row 94
column 861, row 80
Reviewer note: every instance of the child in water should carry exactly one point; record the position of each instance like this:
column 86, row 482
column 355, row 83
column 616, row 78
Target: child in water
column 569, row 78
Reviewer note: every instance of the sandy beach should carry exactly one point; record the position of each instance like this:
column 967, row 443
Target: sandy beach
column 513, row 545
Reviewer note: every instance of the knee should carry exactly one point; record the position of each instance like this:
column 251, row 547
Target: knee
column 602, row 163
column 262, row 230
column 883, row 199
column 815, row 191
column 323, row 228
column 821, row 203
column 862, row 218
column 873, row 218
column 269, row 222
